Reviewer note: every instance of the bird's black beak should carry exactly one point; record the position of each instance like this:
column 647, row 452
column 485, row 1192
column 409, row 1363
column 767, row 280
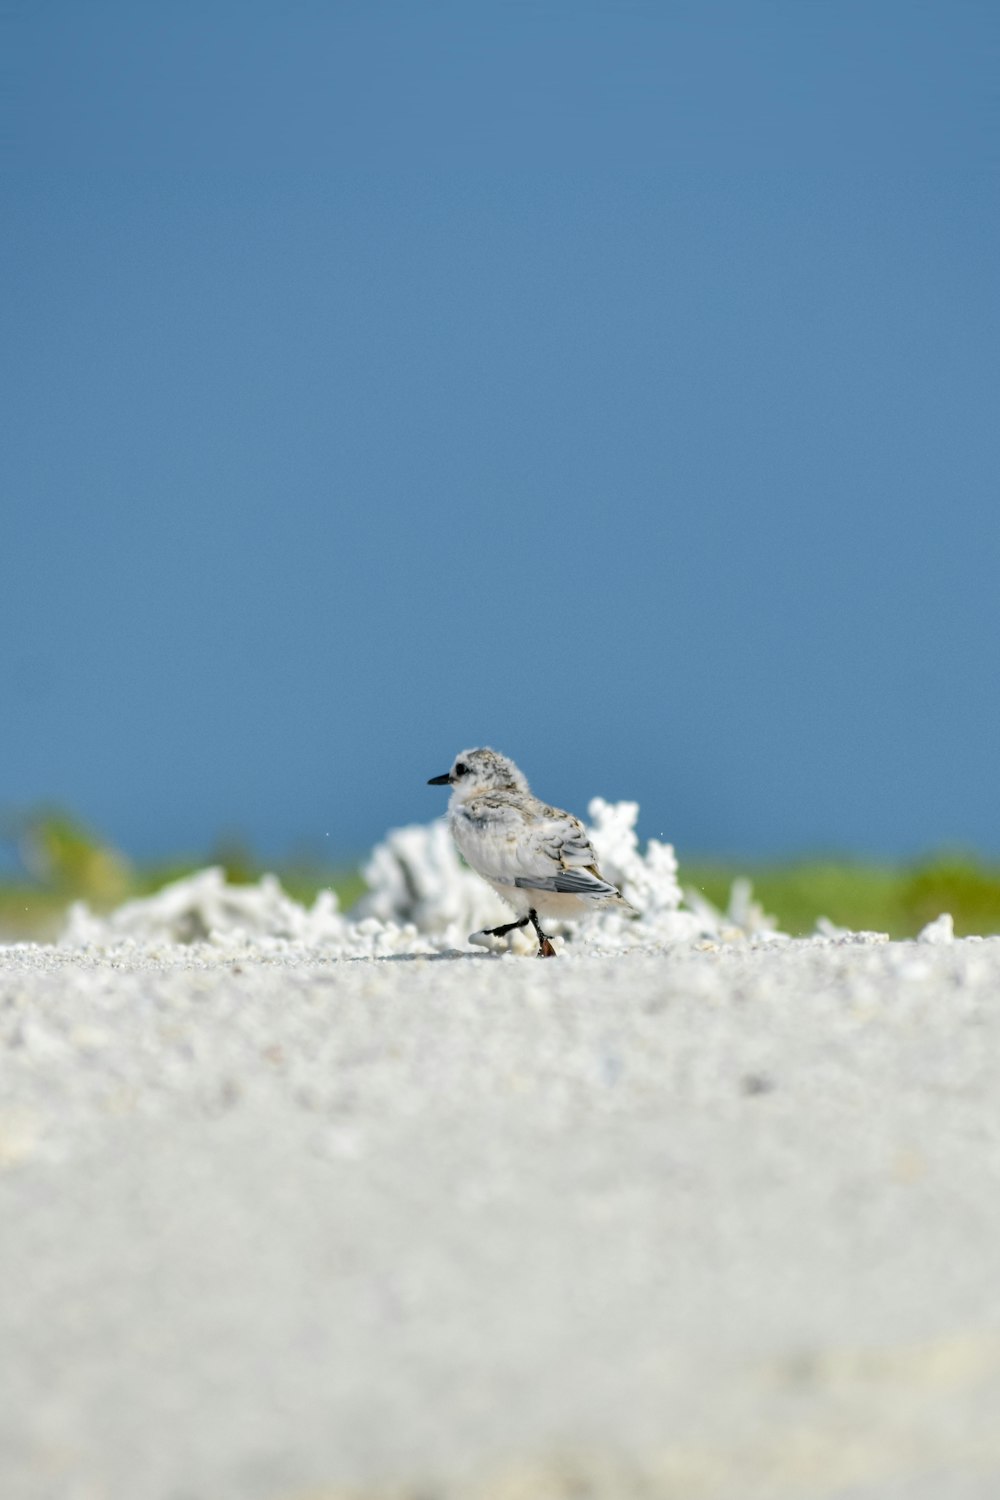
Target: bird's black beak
column 444, row 780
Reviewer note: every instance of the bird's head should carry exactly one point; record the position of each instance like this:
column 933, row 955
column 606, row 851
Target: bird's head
column 482, row 770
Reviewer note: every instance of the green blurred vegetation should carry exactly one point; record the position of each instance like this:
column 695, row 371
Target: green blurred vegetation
column 63, row 861
column 897, row 899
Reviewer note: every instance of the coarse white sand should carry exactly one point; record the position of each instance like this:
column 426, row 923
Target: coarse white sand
column 714, row 1221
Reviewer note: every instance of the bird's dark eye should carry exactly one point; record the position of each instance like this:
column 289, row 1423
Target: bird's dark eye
column 461, row 768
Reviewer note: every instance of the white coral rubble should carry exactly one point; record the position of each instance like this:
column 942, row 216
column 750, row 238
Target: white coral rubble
column 422, row 899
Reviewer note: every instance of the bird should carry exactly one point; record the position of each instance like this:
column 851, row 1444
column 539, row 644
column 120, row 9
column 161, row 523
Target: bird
column 537, row 858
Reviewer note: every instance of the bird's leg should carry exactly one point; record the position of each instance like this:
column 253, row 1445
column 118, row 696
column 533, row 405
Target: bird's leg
column 508, row 927
column 545, row 948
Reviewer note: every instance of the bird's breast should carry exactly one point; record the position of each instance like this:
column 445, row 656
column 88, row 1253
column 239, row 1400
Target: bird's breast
column 490, row 847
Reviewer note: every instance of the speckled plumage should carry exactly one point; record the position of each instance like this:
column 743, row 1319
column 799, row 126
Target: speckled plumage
column 537, row 858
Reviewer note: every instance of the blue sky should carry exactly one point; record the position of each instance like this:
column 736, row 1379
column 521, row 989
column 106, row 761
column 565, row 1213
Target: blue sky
column 613, row 383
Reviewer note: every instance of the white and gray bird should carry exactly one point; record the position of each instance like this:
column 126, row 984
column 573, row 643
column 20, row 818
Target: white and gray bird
column 537, row 858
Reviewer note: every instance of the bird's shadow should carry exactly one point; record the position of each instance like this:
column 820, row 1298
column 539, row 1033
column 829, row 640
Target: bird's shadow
column 452, row 955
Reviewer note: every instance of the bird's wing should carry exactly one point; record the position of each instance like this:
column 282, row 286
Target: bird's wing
column 567, row 883
column 556, row 855
column 563, row 838
column 518, row 841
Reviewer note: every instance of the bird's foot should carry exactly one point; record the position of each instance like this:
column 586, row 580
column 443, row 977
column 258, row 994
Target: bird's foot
column 545, row 948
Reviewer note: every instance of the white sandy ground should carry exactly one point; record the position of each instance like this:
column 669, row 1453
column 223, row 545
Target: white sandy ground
column 695, row 1224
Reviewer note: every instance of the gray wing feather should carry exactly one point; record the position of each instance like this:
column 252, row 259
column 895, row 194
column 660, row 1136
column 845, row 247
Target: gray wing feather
column 567, row 883
column 567, row 842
